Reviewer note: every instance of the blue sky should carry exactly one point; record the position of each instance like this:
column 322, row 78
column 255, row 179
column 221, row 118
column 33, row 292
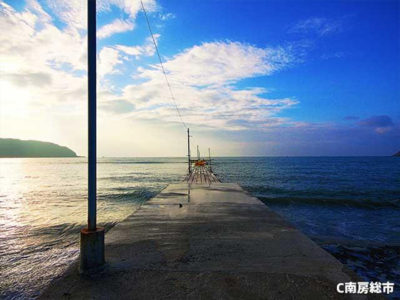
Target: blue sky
column 351, row 70
column 250, row 77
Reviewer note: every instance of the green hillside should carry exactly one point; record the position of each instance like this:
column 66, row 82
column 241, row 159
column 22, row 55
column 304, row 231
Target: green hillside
column 21, row 148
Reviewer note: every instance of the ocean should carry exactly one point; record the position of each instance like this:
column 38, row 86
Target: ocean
column 348, row 205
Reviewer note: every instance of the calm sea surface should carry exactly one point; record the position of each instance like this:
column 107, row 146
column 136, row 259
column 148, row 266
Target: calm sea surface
column 350, row 206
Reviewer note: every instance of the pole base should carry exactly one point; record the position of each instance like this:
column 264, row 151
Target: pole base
column 92, row 250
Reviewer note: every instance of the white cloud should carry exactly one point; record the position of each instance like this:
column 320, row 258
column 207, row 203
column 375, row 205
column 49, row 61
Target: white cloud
column 34, row 6
column 117, row 26
column 74, row 12
column 38, row 62
column 166, row 16
column 131, row 7
column 23, row 45
column 203, row 80
column 320, row 26
column 147, row 49
column 219, row 63
column 109, row 58
column 71, row 12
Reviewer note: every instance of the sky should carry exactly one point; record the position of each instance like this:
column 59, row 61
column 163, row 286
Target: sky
column 270, row 78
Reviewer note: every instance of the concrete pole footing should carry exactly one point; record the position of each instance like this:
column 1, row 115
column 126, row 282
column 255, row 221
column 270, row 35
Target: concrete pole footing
column 92, row 249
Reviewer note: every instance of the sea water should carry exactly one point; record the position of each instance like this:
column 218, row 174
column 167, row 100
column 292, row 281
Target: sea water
column 348, row 205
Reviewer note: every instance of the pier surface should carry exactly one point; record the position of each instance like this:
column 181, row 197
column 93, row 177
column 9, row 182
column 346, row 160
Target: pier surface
column 201, row 175
column 206, row 241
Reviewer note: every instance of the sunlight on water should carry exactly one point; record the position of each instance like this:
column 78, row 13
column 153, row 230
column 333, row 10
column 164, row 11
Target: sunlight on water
column 43, row 206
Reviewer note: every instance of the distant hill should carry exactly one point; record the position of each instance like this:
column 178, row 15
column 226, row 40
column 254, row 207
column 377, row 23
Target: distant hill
column 21, row 148
column 397, row 154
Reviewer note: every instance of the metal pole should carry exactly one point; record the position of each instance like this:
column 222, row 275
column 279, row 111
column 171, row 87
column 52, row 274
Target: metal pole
column 92, row 237
column 209, row 157
column 198, row 153
column 92, row 114
column 190, row 169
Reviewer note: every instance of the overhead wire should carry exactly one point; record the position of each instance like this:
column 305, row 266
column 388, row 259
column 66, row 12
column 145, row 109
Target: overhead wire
column 162, row 66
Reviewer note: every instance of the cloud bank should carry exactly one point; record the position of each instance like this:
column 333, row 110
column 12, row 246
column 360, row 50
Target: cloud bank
column 204, row 79
column 43, row 83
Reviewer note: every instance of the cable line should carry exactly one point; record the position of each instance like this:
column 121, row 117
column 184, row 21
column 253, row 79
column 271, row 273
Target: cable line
column 162, row 66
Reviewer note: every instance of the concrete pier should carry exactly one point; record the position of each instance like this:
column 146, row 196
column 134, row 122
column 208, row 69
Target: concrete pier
column 206, row 241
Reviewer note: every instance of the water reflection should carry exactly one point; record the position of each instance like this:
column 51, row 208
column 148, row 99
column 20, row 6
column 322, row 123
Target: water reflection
column 43, row 206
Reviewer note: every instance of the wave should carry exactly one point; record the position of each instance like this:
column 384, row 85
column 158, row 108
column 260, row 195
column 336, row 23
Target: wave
column 369, row 204
column 318, row 196
column 137, row 196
